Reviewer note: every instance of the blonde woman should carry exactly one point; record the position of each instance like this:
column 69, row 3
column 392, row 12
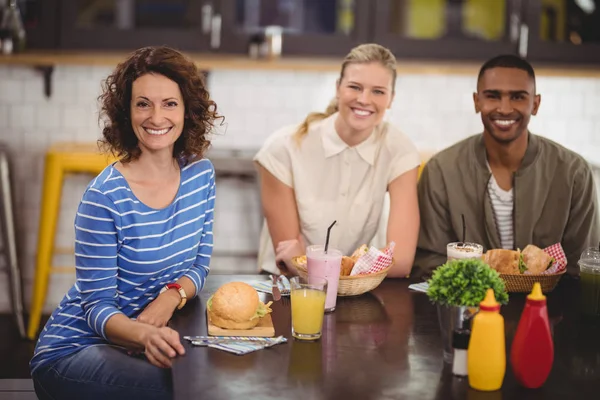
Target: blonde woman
column 339, row 165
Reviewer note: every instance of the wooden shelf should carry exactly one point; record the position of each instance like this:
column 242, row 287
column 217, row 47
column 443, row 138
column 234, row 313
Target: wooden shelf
column 210, row 61
column 204, row 61
column 45, row 61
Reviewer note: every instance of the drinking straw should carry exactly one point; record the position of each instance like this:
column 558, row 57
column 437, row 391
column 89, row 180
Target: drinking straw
column 464, row 233
column 327, row 238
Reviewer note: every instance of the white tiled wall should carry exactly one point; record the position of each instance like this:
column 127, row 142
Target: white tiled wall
column 434, row 110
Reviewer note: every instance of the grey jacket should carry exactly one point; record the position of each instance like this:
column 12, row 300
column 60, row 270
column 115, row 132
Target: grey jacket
column 554, row 201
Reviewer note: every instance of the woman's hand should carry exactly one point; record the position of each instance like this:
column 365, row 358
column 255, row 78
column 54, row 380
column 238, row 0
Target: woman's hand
column 161, row 345
column 161, row 309
column 285, row 251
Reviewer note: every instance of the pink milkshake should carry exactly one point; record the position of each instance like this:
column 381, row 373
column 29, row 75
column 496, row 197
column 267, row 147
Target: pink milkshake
column 325, row 265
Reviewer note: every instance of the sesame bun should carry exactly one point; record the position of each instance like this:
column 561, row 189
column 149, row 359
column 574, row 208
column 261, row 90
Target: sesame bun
column 235, row 301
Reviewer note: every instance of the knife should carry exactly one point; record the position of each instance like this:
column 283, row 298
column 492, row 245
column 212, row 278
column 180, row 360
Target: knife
column 275, row 288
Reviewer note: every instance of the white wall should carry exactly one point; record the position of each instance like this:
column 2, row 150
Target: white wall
column 434, row 110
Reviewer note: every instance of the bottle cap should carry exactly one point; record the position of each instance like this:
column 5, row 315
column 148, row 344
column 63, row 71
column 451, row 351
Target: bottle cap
column 460, row 339
column 536, row 293
column 489, row 303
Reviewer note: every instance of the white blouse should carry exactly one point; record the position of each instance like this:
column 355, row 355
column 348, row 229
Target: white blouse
column 333, row 181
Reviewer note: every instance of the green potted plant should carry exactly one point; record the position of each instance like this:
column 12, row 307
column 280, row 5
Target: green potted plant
column 457, row 288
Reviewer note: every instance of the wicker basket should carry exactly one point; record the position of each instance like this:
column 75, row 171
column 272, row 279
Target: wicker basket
column 524, row 283
column 350, row 285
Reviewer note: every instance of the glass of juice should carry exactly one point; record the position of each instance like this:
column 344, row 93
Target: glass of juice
column 589, row 274
column 308, row 306
column 460, row 250
column 326, row 265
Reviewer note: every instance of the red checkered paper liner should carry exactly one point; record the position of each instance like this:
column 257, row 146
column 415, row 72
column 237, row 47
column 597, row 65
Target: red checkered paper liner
column 374, row 260
column 556, row 251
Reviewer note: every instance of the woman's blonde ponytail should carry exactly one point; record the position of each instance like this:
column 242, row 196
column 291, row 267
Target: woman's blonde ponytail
column 331, row 109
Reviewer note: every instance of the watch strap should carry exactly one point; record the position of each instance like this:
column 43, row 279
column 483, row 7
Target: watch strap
column 179, row 289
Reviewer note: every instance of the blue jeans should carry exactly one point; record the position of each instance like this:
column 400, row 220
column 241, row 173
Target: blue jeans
column 102, row 372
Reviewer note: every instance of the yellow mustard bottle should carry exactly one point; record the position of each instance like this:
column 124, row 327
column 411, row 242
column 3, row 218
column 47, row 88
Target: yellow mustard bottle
column 486, row 355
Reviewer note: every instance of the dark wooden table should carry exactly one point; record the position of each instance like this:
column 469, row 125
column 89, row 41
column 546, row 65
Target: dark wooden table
column 382, row 345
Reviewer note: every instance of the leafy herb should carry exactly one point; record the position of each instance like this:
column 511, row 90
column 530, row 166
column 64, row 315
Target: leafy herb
column 522, row 265
column 262, row 310
column 464, row 283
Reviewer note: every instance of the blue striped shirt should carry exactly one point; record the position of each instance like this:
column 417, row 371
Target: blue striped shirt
column 125, row 252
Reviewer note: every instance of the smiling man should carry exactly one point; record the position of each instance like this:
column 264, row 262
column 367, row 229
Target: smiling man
column 513, row 187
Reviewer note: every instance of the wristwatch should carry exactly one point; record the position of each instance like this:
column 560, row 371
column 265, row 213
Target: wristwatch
column 179, row 289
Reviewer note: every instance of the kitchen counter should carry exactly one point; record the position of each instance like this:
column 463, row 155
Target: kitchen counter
column 233, row 163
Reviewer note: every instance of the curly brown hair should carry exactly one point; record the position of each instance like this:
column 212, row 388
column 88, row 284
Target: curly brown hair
column 200, row 110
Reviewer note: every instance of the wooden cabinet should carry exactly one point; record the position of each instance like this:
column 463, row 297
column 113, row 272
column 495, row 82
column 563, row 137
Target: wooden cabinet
column 130, row 24
column 563, row 31
column 544, row 31
column 40, row 19
column 447, row 29
column 308, row 27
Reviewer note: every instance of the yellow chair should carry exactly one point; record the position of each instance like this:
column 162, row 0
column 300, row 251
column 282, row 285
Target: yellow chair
column 61, row 159
column 420, row 170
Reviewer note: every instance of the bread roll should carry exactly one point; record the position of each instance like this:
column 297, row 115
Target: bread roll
column 347, row 265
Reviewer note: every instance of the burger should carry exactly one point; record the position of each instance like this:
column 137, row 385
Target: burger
column 236, row 305
column 532, row 260
column 503, row 260
column 535, row 260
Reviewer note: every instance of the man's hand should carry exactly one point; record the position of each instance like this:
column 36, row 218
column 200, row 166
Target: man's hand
column 161, row 309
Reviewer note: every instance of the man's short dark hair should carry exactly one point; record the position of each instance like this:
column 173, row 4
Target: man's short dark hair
column 507, row 61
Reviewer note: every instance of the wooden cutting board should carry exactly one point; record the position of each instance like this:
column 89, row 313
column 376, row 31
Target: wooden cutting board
column 263, row 329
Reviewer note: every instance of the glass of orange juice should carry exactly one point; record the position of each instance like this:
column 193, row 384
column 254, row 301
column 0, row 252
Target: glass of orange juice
column 308, row 306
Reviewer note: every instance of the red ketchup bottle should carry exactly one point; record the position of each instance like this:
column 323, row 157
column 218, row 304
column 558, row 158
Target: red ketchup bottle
column 532, row 352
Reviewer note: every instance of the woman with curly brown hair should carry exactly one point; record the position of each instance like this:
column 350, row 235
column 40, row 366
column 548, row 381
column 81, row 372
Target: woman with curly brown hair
column 143, row 237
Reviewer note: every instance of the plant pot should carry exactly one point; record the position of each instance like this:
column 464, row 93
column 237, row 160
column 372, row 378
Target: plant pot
column 451, row 318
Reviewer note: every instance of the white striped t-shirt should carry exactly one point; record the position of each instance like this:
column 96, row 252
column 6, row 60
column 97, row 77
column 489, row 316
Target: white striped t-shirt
column 125, row 252
column 502, row 205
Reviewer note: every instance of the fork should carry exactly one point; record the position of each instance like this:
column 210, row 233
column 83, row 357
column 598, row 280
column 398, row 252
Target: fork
column 284, row 288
